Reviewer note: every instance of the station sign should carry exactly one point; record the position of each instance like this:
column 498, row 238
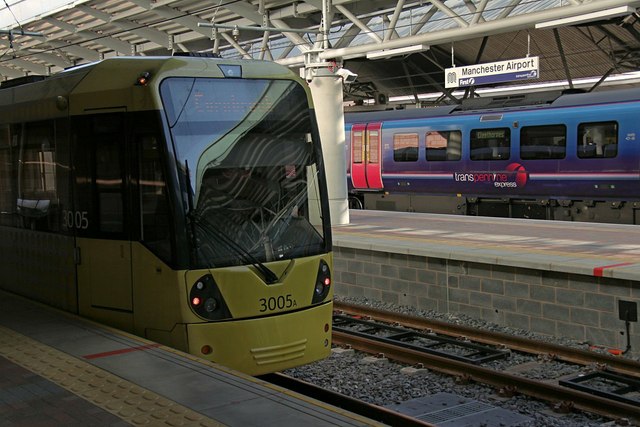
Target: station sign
column 493, row 72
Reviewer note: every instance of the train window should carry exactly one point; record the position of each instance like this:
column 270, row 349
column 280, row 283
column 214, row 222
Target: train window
column 405, row 147
column 543, row 142
column 490, row 144
column 99, row 198
column 108, row 171
column 597, row 140
column 36, row 175
column 357, row 146
column 444, row 145
column 374, row 144
column 153, row 199
column 7, row 177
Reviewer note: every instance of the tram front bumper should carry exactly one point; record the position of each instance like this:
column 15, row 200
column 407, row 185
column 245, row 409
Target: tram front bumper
column 268, row 344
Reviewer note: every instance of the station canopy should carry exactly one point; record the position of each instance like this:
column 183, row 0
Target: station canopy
column 398, row 49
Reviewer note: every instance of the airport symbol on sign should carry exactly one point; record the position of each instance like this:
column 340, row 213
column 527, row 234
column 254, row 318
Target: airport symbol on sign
column 493, row 72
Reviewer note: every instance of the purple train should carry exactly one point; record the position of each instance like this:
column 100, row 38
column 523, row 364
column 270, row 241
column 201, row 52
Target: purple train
column 570, row 157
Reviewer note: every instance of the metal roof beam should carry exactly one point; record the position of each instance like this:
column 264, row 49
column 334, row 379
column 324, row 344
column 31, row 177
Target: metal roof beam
column 101, row 39
column 423, row 21
column 348, row 36
column 507, row 10
column 477, row 12
column 487, row 28
column 246, row 10
column 235, row 45
column 76, row 50
column 158, row 37
column 444, row 8
column 394, row 20
column 353, row 18
column 190, row 22
column 295, row 38
column 29, row 66
column 11, row 72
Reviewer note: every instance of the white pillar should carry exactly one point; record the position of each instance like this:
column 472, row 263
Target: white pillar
column 326, row 88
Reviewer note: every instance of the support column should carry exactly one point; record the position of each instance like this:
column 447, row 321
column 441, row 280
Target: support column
column 326, row 88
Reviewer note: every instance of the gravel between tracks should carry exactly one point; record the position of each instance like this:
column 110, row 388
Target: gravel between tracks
column 383, row 384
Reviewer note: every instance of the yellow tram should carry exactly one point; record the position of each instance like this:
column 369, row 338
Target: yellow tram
column 179, row 198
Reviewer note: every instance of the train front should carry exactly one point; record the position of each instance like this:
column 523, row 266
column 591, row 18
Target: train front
column 257, row 230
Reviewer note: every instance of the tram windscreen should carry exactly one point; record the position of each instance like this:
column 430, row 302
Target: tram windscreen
column 248, row 160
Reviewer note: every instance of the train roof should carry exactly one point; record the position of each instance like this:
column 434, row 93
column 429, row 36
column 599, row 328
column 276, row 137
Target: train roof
column 531, row 101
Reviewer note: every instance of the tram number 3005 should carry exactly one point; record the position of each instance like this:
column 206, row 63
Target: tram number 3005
column 75, row 219
column 280, row 302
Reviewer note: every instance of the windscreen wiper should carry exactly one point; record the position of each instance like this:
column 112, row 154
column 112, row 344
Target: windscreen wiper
column 268, row 275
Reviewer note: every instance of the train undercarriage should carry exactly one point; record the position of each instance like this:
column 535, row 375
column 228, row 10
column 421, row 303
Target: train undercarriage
column 601, row 211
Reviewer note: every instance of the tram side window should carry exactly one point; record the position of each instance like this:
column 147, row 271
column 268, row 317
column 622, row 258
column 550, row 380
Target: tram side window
column 597, row 140
column 543, row 142
column 108, row 139
column 98, row 169
column 405, row 147
column 444, row 145
column 8, row 182
column 490, row 144
column 153, row 199
column 37, row 195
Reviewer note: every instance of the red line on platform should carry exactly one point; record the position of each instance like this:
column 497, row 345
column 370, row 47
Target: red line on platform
column 599, row 270
column 121, row 351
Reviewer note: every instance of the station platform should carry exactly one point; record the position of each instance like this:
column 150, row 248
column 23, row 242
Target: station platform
column 566, row 279
column 608, row 250
column 57, row 369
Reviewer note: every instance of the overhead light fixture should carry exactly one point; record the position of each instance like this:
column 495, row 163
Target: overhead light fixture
column 395, row 52
column 587, row 17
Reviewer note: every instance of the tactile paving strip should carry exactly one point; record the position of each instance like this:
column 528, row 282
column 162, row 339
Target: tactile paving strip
column 126, row 400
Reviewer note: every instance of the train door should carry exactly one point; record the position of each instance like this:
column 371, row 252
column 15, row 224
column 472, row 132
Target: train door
column 366, row 156
column 104, row 270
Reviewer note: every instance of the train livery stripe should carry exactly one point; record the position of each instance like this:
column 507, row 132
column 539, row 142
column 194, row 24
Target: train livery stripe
column 532, row 176
column 564, row 176
column 599, row 271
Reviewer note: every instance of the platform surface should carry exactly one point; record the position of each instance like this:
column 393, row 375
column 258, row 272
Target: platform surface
column 606, row 250
column 60, row 370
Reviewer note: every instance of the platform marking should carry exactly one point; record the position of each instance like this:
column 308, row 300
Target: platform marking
column 625, row 247
column 360, row 227
column 121, row 351
column 598, row 271
column 128, row 401
column 423, row 232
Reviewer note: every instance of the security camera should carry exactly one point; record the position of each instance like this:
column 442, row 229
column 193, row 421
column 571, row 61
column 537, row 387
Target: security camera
column 348, row 77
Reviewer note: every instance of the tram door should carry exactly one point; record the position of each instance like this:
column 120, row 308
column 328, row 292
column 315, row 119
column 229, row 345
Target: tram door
column 103, row 245
column 366, row 156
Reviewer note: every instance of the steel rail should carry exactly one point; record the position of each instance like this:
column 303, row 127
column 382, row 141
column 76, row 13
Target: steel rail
column 619, row 364
column 498, row 379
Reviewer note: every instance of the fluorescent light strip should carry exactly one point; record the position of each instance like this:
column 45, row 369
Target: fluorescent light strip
column 587, row 17
column 399, row 51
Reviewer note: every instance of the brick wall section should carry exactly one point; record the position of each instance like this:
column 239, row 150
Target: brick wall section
column 580, row 307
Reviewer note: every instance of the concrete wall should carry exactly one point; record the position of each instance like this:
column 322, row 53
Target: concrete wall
column 568, row 305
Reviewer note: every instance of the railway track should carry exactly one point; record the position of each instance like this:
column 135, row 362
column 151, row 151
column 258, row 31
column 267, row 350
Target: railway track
column 512, row 342
column 460, row 351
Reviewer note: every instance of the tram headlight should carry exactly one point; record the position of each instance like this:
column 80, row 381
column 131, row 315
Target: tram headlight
column 210, row 305
column 206, row 299
column 323, row 283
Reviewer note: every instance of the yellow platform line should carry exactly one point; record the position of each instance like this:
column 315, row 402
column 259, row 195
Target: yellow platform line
column 126, row 400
